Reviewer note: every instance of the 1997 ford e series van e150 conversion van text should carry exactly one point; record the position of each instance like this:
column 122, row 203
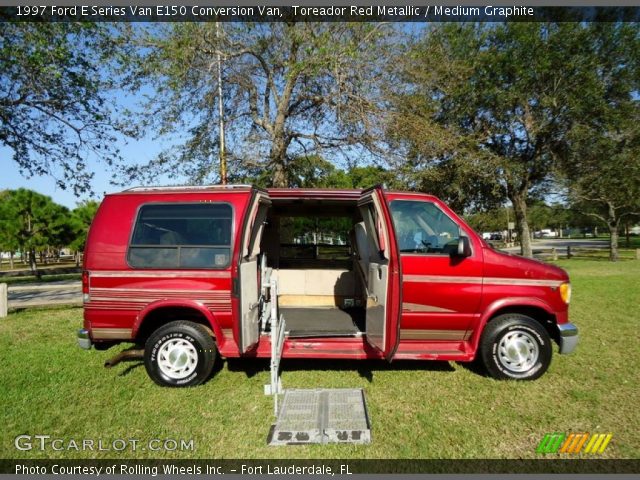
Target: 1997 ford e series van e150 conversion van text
column 353, row 274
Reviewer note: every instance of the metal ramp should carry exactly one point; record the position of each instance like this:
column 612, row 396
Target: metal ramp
column 312, row 415
column 321, row 416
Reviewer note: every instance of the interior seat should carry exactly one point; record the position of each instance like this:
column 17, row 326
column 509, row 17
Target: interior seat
column 362, row 244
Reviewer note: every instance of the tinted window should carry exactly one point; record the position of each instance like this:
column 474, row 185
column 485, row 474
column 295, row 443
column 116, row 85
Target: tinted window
column 182, row 236
column 421, row 227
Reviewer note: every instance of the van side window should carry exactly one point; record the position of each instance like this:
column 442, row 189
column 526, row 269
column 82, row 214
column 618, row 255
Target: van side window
column 181, row 236
column 421, row 227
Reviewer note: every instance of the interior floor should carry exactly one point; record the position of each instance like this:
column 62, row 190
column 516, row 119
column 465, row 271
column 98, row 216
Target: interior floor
column 323, row 321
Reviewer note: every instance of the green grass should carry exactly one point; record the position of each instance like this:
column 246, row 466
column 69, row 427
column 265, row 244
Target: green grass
column 418, row 409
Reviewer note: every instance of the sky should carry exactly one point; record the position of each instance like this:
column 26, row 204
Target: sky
column 141, row 151
column 133, row 151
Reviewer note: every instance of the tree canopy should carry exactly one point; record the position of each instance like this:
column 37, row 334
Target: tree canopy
column 474, row 113
column 55, row 113
column 602, row 167
column 32, row 220
column 290, row 90
column 506, row 95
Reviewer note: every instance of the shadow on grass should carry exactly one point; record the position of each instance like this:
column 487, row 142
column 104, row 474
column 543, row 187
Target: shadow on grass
column 474, row 367
column 365, row 368
column 133, row 364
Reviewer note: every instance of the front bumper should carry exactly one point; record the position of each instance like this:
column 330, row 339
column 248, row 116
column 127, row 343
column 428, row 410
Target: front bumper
column 84, row 340
column 568, row 335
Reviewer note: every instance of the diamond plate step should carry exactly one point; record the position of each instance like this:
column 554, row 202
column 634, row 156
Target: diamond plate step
column 321, row 416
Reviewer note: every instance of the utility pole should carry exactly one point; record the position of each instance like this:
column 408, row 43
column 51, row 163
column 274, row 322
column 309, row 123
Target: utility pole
column 506, row 188
column 223, row 160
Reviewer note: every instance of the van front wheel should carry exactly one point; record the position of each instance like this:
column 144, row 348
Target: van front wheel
column 179, row 354
column 515, row 346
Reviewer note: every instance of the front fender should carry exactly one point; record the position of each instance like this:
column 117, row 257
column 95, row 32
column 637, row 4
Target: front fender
column 502, row 303
column 197, row 306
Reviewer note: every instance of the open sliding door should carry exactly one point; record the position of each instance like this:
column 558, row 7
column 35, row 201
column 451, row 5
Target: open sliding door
column 248, row 274
column 380, row 265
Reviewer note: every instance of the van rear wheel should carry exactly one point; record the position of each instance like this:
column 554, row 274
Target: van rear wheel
column 179, row 354
column 515, row 346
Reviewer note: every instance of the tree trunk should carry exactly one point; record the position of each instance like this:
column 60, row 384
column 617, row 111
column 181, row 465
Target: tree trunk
column 613, row 222
column 11, row 260
column 519, row 201
column 613, row 242
column 32, row 261
column 278, row 157
column 279, row 176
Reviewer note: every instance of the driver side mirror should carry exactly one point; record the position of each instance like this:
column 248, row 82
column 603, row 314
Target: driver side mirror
column 464, row 248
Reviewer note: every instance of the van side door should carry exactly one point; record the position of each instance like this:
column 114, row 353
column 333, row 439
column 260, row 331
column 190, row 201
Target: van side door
column 380, row 268
column 248, row 274
column 441, row 291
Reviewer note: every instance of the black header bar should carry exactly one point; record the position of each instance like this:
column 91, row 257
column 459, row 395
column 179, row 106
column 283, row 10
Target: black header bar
column 354, row 13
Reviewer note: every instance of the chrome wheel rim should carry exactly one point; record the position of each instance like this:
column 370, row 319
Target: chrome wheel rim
column 177, row 358
column 518, row 351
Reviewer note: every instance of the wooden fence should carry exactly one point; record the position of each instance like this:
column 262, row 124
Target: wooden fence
column 6, row 304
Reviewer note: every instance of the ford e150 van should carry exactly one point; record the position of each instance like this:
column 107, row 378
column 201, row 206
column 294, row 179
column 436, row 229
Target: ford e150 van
column 183, row 273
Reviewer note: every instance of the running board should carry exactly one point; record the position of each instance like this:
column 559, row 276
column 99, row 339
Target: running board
column 321, row 416
column 322, row 334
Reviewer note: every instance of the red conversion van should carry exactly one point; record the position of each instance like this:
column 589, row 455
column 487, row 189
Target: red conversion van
column 183, row 272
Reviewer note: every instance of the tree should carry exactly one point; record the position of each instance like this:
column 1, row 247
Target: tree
column 604, row 179
column 602, row 170
column 510, row 92
column 291, row 90
column 8, row 242
column 32, row 221
column 81, row 218
column 54, row 109
column 494, row 220
column 316, row 172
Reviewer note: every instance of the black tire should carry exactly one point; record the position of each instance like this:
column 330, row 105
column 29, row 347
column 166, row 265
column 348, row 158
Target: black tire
column 179, row 354
column 515, row 347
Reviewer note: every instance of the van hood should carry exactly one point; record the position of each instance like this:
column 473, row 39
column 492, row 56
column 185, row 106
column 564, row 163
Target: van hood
column 501, row 264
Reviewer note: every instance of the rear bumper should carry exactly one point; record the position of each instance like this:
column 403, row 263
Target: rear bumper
column 84, row 340
column 568, row 335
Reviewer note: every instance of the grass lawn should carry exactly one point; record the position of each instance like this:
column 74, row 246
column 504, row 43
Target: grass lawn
column 418, row 409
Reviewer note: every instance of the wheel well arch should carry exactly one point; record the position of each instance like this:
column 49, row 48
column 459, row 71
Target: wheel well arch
column 160, row 316
column 539, row 314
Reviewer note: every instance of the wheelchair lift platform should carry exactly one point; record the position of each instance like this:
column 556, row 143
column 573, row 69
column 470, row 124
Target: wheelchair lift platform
column 321, row 415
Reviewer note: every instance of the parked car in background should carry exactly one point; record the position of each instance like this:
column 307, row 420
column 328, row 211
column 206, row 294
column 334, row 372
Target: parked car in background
column 545, row 233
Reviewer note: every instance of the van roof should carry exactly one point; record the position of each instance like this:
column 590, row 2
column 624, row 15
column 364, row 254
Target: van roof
column 187, row 188
column 281, row 193
column 274, row 192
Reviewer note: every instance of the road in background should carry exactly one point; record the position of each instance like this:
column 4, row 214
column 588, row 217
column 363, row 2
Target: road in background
column 65, row 292
column 544, row 245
